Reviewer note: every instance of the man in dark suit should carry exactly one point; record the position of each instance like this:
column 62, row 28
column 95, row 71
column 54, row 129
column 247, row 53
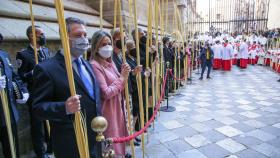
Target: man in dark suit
column 206, row 58
column 52, row 99
column 16, row 93
column 167, row 55
column 26, row 63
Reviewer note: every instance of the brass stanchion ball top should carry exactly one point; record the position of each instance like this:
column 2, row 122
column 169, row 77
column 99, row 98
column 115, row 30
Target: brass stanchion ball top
column 99, row 124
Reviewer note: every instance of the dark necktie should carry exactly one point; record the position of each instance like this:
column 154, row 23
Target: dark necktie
column 82, row 70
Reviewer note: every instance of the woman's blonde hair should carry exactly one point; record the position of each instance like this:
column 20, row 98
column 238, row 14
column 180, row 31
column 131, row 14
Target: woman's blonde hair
column 95, row 42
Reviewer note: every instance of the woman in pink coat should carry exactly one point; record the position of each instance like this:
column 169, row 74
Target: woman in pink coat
column 111, row 87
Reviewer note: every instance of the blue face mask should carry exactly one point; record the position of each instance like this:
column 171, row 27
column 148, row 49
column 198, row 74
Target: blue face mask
column 79, row 46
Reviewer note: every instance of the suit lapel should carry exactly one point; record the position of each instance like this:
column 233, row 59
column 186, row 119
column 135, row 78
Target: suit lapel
column 79, row 83
column 96, row 87
column 89, row 69
column 77, row 79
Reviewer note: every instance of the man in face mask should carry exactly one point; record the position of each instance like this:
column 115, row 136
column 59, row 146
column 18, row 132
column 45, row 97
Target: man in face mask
column 52, row 98
column 168, row 56
column 26, row 62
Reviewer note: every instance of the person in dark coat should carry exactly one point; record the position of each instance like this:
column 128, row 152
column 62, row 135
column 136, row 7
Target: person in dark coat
column 131, row 60
column 16, row 92
column 167, row 51
column 181, row 58
column 52, row 99
column 26, row 63
column 147, row 71
column 168, row 56
column 117, row 47
column 206, row 59
column 117, row 51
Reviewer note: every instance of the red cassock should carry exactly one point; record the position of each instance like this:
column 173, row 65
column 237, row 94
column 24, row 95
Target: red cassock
column 278, row 68
column 243, row 55
column 252, row 61
column 226, row 57
column 217, row 64
column 226, row 65
column 249, row 61
column 274, row 66
column 252, row 58
column 267, row 59
column 234, row 60
column 278, row 64
column 256, row 60
column 218, row 51
column 243, row 63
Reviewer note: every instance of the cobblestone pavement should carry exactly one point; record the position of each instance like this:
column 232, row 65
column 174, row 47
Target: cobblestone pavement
column 235, row 115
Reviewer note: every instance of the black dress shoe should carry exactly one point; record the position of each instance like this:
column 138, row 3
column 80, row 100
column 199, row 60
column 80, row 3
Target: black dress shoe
column 278, row 80
column 209, row 77
column 136, row 143
column 128, row 155
column 200, row 78
column 138, row 139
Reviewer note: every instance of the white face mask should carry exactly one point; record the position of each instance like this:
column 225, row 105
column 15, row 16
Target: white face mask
column 79, row 46
column 106, row 51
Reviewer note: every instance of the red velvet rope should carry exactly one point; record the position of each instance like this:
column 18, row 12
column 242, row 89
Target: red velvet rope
column 134, row 135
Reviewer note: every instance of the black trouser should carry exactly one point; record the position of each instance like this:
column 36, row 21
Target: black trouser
column 5, row 140
column 238, row 62
column 39, row 134
column 135, row 104
column 207, row 64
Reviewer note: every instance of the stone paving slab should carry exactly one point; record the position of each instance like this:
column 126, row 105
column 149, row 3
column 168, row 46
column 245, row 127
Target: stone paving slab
column 234, row 115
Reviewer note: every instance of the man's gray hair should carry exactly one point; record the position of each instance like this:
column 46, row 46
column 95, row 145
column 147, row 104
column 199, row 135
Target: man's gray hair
column 72, row 20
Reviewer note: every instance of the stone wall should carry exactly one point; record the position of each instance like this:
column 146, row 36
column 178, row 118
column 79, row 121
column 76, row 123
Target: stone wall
column 142, row 11
column 108, row 10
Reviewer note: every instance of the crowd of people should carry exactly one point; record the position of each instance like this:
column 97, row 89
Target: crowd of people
column 100, row 81
column 222, row 50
